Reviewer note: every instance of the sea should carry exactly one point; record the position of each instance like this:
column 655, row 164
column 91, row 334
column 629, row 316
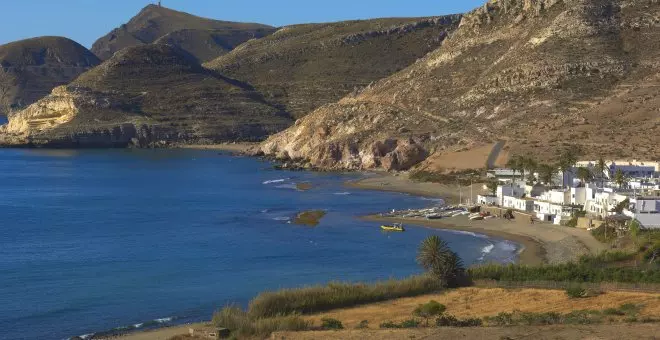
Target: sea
column 112, row 240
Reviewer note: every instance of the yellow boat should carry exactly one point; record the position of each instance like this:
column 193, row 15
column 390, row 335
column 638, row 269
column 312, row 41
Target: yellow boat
column 395, row 227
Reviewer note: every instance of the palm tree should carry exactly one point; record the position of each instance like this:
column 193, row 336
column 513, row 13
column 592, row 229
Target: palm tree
column 620, row 178
column 515, row 163
column 566, row 160
column 437, row 258
column 546, row 172
column 530, row 164
column 584, row 175
column 600, row 168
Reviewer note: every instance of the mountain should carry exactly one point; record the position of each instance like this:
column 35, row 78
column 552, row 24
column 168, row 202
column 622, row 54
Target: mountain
column 302, row 67
column 146, row 95
column 31, row 68
column 517, row 77
column 204, row 38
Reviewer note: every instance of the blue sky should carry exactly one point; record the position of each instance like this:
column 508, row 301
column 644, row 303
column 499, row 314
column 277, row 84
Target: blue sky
column 87, row 20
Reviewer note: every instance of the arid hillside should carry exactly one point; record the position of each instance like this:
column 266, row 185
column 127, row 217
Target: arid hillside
column 143, row 96
column 302, row 67
column 31, row 68
column 204, row 38
column 535, row 75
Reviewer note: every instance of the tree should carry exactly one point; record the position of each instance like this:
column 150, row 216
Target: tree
column 546, row 172
column 620, row 178
column 584, row 175
column 530, row 165
column 566, row 160
column 492, row 186
column 601, row 167
column 429, row 310
column 439, row 260
column 516, row 163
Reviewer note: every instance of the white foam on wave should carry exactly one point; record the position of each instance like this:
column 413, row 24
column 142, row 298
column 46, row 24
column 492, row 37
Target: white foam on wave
column 487, row 249
column 282, row 218
column 138, row 325
column 281, row 180
column 163, row 320
column 87, row 336
column 287, row 186
column 463, row 232
column 342, row 193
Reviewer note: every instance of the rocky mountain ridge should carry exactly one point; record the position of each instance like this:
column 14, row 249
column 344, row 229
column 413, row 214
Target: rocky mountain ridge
column 205, row 38
column 147, row 95
column 302, row 67
column 31, row 68
column 534, row 75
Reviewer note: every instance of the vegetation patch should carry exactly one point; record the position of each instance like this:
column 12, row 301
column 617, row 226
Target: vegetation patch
column 243, row 325
column 338, row 295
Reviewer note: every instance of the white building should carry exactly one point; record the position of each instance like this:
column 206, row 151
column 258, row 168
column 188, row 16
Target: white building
column 632, row 169
column 487, row 200
column 646, row 210
column 521, row 204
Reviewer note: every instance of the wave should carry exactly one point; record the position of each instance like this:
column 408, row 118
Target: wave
column 281, row 180
column 463, row 232
column 282, row 218
column 487, row 249
column 342, row 193
column 440, row 200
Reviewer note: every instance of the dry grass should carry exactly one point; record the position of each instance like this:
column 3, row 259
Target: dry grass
column 479, row 302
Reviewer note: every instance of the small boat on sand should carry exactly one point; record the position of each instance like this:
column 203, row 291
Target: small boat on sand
column 395, row 227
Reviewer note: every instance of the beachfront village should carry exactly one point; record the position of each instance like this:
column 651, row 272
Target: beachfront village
column 583, row 194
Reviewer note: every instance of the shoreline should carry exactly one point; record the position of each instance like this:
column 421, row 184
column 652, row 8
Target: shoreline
column 541, row 242
column 234, row 148
column 531, row 253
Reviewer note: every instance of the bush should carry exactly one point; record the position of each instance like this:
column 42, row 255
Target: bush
column 429, row 310
column 241, row 324
column 452, row 321
column 576, row 292
column 501, row 319
column 567, row 272
column 411, row 323
column 329, row 323
column 338, row 295
column 363, row 324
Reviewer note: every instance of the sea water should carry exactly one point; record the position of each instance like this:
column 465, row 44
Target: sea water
column 95, row 240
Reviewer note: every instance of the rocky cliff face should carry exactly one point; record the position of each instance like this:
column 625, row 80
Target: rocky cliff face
column 30, row 69
column 204, row 38
column 537, row 75
column 145, row 96
column 302, row 67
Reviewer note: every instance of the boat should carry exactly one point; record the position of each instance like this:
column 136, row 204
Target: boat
column 433, row 216
column 395, row 227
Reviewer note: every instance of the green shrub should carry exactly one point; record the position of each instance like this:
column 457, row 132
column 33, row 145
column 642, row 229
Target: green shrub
column 539, row 319
column 613, row 311
column 501, row 319
column 329, row 323
column 452, row 321
column 241, row 324
column 429, row 310
column 338, row 295
column 363, row 324
column 568, row 272
column 411, row 323
column 576, row 292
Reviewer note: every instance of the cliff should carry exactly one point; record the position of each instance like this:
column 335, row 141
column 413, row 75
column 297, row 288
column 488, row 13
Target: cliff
column 302, row 67
column 204, row 38
column 532, row 76
column 31, row 68
column 145, row 96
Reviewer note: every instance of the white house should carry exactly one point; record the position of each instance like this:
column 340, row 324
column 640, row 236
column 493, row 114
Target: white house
column 646, row 210
column 632, row 169
column 551, row 212
column 521, row 204
column 602, row 202
column 508, row 190
column 487, row 200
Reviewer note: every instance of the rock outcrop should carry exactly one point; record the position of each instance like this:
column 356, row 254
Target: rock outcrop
column 204, row 38
column 536, row 75
column 302, row 67
column 31, row 68
column 149, row 95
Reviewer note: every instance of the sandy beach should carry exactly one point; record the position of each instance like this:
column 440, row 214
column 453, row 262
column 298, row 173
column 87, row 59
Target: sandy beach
column 542, row 242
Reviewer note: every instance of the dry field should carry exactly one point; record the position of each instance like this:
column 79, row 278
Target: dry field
column 480, row 302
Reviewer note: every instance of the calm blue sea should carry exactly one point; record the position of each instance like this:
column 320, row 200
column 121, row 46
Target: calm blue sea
column 92, row 240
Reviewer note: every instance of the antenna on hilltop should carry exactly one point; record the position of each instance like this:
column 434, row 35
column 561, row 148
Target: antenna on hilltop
column 159, row 3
